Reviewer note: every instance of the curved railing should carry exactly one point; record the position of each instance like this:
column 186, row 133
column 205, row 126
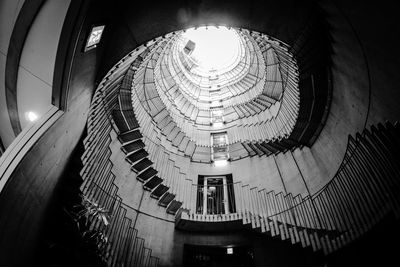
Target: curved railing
column 235, row 71
column 123, row 243
column 365, row 189
column 254, row 58
column 264, row 125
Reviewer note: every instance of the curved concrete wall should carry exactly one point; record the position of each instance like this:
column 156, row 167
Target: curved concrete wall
column 316, row 165
column 37, row 175
column 35, row 73
column 28, row 194
column 306, row 169
column 9, row 10
column 353, row 66
column 359, row 56
column 364, row 82
column 158, row 228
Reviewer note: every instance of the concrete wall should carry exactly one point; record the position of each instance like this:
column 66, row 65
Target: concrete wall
column 34, row 181
column 158, row 228
column 309, row 169
column 317, row 165
column 365, row 86
column 29, row 191
column 377, row 32
column 35, row 73
column 9, row 10
column 359, row 56
column 350, row 80
column 365, row 92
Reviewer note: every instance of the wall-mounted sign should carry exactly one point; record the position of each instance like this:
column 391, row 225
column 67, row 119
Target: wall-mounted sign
column 94, row 37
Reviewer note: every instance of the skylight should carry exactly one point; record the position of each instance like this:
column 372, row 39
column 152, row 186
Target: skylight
column 215, row 48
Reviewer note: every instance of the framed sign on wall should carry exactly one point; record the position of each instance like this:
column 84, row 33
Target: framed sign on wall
column 94, row 37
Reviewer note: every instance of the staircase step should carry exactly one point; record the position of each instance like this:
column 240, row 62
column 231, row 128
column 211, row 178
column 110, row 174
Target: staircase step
column 119, row 121
column 133, row 146
column 142, row 165
column 152, row 183
column 173, row 207
column 147, row 174
column 166, row 199
column 256, row 149
column 136, row 156
column 159, row 191
column 249, row 149
column 129, row 136
column 131, row 119
column 278, row 146
column 263, row 149
column 270, row 147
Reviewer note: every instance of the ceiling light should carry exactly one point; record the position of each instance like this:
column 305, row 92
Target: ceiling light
column 31, row 116
column 220, row 163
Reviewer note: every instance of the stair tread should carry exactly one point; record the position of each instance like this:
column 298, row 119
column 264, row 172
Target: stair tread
column 142, row 165
column 147, row 174
column 130, row 136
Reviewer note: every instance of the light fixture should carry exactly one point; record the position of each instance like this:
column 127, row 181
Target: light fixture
column 220, row 163
column 218, row 124
column 229, row 250
column 31, row 116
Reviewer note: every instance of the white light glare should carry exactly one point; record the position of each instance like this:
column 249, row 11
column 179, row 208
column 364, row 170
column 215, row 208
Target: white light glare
column 229, row 250
column 218, row 124
column 215, row 47
column 215, row 103
column 31, row 116
column 220, row 163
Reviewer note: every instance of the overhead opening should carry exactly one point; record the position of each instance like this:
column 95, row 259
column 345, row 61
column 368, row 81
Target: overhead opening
column 213, row 48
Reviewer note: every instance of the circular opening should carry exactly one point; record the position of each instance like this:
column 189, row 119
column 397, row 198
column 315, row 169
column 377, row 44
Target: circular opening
column 215, row 48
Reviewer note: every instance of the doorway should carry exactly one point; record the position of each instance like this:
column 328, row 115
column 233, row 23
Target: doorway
column 215, row 195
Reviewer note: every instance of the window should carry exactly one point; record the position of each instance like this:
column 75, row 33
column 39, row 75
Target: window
column 215, row 195
column 219, row 142
column 189, row 47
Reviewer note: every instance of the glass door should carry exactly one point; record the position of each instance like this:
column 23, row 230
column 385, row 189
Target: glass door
column 216, row 195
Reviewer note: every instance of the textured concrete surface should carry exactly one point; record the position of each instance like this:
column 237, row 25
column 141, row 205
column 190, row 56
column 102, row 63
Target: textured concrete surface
column 365, row 63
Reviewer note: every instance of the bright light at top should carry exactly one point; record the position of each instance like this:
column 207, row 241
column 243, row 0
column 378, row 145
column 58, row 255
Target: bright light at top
column 216, row 48
column 31, row 116
column 220, row 163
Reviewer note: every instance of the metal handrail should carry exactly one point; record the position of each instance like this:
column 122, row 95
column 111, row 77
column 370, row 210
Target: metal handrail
column 350, row 200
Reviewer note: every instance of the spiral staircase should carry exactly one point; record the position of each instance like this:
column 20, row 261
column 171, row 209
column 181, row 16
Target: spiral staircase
column 139, row 113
